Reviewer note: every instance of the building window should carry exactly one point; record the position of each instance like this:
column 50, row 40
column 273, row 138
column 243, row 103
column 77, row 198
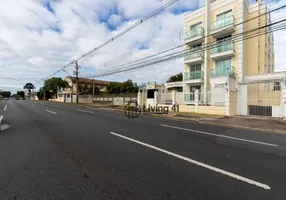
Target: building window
column 223, row 15
column 150, row 93
column 224, row 38
column 223, row 64
column 195, row 68
column 69, row 95
column 195, row 26
column 277, row 86
column 196, row 47
column 194, row 88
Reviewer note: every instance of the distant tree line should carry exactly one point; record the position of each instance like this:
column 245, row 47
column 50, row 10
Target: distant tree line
column 51, row 86
column 176, row 78
column 125, row 87
column 5, row 94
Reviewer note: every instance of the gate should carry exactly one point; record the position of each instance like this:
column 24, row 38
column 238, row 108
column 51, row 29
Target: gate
column 164, row 98
column 218, row 95
column 264, row 99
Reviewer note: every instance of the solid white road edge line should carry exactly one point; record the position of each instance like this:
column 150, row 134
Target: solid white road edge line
column 232, row 175
column 223, row 136
column 51, row 112
column 5, row 107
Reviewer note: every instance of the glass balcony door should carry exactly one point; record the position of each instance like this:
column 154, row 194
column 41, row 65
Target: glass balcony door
column 222, row 68
column 223, row 20
column 222, row 44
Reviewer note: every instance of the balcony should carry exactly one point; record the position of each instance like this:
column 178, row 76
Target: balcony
column 221, row 71
column 193, row 77
column 194, row 36
column 223, row 26
column 222, row 50
column 194, row 58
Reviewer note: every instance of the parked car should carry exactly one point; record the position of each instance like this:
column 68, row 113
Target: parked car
column 6, row 98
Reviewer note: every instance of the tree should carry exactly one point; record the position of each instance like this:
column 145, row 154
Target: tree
column 21, row 94
column 6, row 94
column 51, row 86
column 96, row 90
column 41, row 92
column 125, row 87
column 113, row 88
column 175, row 78
column 29, row 87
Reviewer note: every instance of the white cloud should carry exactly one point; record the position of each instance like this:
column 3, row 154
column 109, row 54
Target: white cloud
column 35, row 42
column 114, row 20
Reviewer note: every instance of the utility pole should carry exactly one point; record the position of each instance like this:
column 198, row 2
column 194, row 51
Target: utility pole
column 92, row 89
column 76, row 75
column 44, row 90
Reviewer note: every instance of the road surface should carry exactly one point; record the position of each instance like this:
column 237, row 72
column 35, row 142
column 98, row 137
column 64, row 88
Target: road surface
column 57, row 151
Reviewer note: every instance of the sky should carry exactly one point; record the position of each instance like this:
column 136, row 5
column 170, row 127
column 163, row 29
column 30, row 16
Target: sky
column 38, row 37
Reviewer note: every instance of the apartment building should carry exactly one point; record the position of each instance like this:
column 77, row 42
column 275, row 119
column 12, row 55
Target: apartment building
column 218, row 58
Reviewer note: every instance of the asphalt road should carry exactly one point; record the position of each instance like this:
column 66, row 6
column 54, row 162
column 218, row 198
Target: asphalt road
column 56, row 151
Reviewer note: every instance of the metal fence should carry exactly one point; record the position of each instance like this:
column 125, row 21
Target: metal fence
column 164, row 98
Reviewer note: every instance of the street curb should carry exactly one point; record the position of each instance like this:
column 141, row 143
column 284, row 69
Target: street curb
column 190, row 120
column 229, row 126
column 204, row 122
column 244, row 128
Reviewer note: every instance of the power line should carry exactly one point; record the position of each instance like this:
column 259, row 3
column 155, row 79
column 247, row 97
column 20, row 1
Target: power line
column 180, row 53
column 155, row 43
column 184, row 44
column 156, row 12
column 175, row 55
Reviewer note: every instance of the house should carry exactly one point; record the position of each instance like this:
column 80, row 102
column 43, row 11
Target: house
column 85, row 87
column 227, row 70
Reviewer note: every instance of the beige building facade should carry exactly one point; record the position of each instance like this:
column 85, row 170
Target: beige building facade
column 68, row 94
column 229, row 59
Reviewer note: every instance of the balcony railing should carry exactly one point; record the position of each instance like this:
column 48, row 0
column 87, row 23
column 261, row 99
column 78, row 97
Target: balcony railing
column 189, row 97
column 221, row 71
column 193, row 75
column 199, row 31
column 221, row 47
column 223, row 23
column 195, row 54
